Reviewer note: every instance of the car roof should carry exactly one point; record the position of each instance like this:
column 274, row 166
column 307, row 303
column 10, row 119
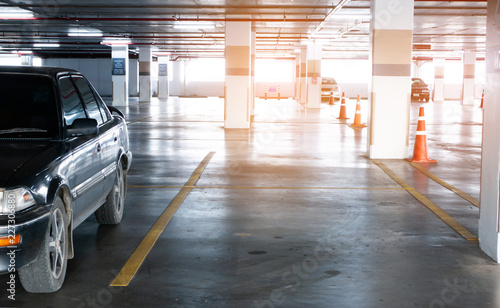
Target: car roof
column 53, row 71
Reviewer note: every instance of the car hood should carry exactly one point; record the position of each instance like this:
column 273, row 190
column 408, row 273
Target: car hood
column 16, row 155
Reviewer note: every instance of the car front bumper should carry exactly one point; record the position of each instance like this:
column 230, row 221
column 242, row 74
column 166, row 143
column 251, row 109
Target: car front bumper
column 420, row 95
column 32, row 226
column 327, row 94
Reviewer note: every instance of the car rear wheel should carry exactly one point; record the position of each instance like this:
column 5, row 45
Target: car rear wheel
column 47, row 273
column 111, row 212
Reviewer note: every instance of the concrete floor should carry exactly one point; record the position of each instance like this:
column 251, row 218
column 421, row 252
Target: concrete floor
column 290, row 213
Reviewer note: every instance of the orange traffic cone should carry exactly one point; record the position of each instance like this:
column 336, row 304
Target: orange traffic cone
column 482, row 99
column 420, row 149
column 357, row 116
column 342, row 115
column 331, row 102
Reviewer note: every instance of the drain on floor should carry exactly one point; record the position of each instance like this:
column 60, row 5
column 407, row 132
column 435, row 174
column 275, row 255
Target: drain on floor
column 257, row 252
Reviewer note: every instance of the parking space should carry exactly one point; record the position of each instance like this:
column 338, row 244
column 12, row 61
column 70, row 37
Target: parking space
column 288, row 213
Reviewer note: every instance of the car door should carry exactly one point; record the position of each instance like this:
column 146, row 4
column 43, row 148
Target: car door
column 86, row 155
column 108, row 131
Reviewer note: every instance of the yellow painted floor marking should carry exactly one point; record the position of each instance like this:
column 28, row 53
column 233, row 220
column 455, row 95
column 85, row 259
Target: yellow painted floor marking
column 457, row 191
column 276, row 187
column 139, row 255
column 354, row 128
column 140, row 120
column 455, row 225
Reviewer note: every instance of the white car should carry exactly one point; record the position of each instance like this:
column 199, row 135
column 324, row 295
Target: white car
column 329, row 84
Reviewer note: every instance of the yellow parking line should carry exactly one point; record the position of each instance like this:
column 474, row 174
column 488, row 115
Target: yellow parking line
column 354, row 128
column 139, row 255
column 457, row 191
column 140, row 120
column 455, row 225
column 273, row 187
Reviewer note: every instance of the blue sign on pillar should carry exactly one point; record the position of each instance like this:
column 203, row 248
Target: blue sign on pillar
column 118, row 66
column 162, row 69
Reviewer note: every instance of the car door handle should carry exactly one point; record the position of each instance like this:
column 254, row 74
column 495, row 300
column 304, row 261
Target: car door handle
column 115, row 138
column 98, row 147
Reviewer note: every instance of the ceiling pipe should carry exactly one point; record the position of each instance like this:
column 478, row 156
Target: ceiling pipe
column 140, row 19
column 197, row 7
column 330, row 15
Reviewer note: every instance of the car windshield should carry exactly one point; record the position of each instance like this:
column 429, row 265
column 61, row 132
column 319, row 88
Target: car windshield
column 417, row 82
column 27, row 106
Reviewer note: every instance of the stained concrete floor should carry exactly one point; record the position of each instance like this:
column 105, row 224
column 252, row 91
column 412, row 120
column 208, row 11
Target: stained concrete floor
column 290, row 213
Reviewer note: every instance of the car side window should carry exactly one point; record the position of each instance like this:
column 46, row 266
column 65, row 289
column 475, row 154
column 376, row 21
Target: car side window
column 89, row 99
column 72, row 105
column 104, row 110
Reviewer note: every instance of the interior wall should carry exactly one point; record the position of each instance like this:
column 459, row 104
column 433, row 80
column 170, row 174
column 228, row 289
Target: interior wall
column 98, row 71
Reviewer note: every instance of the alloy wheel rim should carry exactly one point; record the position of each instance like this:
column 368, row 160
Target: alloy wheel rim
column 57, row 244
column 119, row 191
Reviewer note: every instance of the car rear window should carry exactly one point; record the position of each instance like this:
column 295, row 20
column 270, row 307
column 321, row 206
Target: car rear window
column 27, row 106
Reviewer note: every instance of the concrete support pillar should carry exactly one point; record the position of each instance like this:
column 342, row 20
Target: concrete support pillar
column 438, row 79
column 314, row 56
column 27, row 60
column 303, row 76
column 163, row 89
column 489, row 216
column 297, row 77
column 145, row 59
column 237, row 86
column 469, row 82
column 252, row 75
column 418, row 64
column 390, row 97
column 133, row 77
column 120, row 71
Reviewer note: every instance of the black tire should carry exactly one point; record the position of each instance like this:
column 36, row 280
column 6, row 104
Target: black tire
column 47, row 273
column 111, row 212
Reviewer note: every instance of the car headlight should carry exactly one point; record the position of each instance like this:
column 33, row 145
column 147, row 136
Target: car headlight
column 15, row 200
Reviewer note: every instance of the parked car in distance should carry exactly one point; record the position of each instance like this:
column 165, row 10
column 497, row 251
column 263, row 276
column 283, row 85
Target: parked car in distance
column 419, row 90
column 329, row 84
column 64, row 157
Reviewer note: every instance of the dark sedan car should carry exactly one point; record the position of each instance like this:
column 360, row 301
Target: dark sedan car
column 419, row 90
column 64, row 156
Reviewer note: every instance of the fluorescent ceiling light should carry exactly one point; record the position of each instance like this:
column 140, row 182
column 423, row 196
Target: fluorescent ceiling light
column 116, row 41
column 14, row 13
column 47, row 45
column 84, row 32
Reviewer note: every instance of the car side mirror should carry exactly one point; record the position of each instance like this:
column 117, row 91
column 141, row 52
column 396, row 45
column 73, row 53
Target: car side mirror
column 83, row 127
column 116, row 110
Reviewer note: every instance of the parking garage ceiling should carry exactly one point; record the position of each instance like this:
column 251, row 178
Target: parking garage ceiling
column 195, row 28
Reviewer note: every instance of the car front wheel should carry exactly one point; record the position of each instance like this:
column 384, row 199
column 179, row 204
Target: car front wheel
column 111, row 212
column 47, row 273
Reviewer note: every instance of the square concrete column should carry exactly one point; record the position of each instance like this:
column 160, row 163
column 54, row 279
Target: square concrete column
column 390, row 97
column 163, row 89
column 303, row 76
column 252, row 74
column 469, row 82
column 120, row 68
column 27, row 60
column 489, row 215
column 297, row 76
column 238, row 80
column 145, row 59
column 438, row 79
column 314, row 56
